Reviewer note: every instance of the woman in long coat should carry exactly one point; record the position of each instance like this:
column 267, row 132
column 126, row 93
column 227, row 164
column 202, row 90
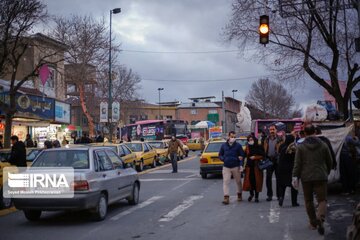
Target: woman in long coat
column 253, row 175
column 285, row 168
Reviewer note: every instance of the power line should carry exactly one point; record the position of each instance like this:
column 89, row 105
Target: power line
column 186, row 52
column 203, row 80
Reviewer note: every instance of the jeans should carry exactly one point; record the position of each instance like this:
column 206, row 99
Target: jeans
column 269, row 174
column 227, row 172
column 320, row 190
column 173, row 158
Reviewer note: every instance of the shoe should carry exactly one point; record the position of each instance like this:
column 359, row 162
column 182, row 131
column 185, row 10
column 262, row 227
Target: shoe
column 174, row 172
column 256, row 200
column 250, row 198
column 269, row 199
column 281, row 201
column 295, row 205
column 320, row 227
column 226, row 200
column 239, row 197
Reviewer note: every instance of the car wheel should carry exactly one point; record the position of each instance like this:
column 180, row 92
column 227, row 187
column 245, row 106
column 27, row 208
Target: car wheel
column 135, row 195
column 4, row 202
column 100, row 210
column 154, row 163
column 32, row 215
column 140, row 167
column 203, row 175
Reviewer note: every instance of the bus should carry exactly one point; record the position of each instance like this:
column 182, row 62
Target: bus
column 154, row 130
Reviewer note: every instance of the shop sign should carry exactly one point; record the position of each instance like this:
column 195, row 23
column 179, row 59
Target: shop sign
column 32, row 106
column 62, row 112
column 215, row 132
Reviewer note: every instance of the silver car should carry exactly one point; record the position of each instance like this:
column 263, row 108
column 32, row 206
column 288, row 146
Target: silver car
column 100, row 179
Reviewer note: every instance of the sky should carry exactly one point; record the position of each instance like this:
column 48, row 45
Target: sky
column 174, row 30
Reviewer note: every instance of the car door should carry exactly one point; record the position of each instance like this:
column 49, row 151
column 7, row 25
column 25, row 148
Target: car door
column 147, row 154
column 106, row 174
column 123, row 179
column 130, row 156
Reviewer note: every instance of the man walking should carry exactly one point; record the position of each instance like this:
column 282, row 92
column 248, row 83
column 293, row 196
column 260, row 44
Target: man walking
column 313, row 163
column 232, row 154
column 174, row 145
column 18, row 152
column 271, row 147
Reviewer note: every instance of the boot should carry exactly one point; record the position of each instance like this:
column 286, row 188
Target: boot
column 226, row 200
column 239, row 197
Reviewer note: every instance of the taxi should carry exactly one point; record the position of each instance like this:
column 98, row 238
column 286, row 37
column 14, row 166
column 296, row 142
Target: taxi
column 194, row 144
column 145, row 154
column 31, row 154
column 210, row 162
column 161, row 148
column 242, row 141
column 128, row 156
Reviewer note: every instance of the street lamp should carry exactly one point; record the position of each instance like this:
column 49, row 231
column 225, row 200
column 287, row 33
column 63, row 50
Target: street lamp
column 234, row 91
column 160, row 89
column 113, row 11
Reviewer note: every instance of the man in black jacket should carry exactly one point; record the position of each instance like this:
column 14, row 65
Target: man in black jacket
column 18, row 152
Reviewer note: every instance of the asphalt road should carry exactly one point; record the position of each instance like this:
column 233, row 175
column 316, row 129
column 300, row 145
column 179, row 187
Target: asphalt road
column 183, row 206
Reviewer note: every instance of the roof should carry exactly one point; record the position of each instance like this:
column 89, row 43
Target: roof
column 202, row 98
column 50, row 40
column 199, row 105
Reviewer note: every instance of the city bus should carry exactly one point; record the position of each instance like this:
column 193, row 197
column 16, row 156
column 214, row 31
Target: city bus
column 154, row 130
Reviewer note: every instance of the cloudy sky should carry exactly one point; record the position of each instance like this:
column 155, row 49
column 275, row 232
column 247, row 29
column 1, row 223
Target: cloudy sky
column 162, row 39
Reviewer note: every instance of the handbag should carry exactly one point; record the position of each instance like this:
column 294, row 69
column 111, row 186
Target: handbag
column 264, row 164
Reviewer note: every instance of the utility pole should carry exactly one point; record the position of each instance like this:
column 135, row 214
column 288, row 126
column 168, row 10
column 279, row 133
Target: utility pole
column 224, row 113
column 160, row 89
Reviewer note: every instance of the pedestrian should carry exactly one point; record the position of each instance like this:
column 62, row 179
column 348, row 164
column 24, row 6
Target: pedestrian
column 174, row 145
column 271, row 147
column 202, row 143
column 1, row 142
column 99, row 138
column 48, row 144
column 85, row 139
column 56, row 143
column 312, row 166
column 232, row 154
column 348, row 165
column 64, row 141
column 28, row 141
column 253, row 181
column 285, row 168
column 318, row 133
column 18, row 152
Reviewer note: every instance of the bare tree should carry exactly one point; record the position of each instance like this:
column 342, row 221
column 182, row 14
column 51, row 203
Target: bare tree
column 88, row 46
column 17, row 20
column 271, row 98
column 317, row 42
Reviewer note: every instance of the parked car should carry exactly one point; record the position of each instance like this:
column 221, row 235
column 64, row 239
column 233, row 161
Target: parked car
column 122, row 150
column 31, row 154
column 194, row 144
column 101, row 178
column 145, row 154
column 161, row 148
column 210, row 162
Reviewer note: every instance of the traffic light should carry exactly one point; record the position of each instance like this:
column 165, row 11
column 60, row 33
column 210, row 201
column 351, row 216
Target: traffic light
column 357, row 102
column 264, row 29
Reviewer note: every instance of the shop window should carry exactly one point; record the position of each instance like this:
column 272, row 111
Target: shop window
column 144, row 117
column 169, row 117
column 213, row 111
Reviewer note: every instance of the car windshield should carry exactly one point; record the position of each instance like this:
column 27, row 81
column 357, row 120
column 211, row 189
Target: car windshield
column 78, row 159
column 32, row 154
column 243, row 142
column 213, row 147
column 157, row 144
column 135, row 147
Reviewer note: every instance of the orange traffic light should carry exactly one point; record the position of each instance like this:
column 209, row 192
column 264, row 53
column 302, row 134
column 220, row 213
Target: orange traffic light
column 264, row 29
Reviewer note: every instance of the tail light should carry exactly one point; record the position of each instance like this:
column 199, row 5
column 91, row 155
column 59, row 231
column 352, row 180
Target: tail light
column 203, row 160
column 80, row 185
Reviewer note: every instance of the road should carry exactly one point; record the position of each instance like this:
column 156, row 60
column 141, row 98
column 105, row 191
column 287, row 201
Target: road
column 183, row 206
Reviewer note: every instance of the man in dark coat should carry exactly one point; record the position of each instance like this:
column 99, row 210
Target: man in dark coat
column 29, row 142
column 1, row 142
column 85, row 139
column 18, row 152
column 99, row 138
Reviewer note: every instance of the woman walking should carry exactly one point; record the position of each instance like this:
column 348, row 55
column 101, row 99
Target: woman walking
column 285, row 168
column 253, row 175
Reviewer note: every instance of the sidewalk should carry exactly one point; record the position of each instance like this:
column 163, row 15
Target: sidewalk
column 340, row 212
